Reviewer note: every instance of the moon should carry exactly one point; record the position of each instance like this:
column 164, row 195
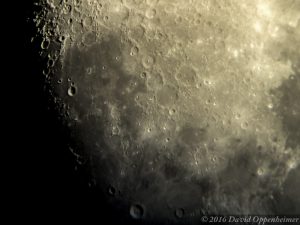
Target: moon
column 177, row 109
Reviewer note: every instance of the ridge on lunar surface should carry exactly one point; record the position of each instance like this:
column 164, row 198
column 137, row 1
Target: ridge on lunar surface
column 182, row 108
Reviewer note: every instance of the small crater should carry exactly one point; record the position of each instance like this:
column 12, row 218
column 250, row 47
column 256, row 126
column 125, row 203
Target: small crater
column 111, row 191
column 72, row 91
column 137, row 211
column 45, row 44
column 148, row 61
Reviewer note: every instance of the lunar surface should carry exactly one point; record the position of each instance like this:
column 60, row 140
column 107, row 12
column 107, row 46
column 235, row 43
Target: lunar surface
column 178, row 109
